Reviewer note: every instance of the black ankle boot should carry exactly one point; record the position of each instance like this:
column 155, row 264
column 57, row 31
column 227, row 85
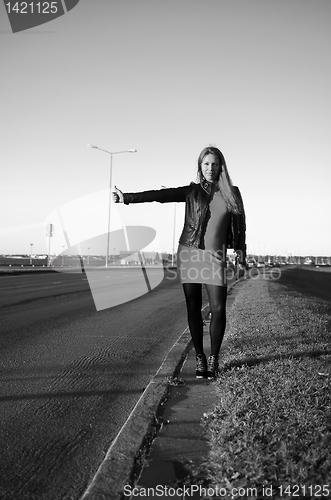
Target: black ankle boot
column 201, row 371
column 212, row 367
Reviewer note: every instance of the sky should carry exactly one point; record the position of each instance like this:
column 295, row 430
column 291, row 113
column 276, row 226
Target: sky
column 167, row 78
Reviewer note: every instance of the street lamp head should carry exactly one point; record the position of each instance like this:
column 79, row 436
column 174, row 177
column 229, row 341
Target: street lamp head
column 112, row 152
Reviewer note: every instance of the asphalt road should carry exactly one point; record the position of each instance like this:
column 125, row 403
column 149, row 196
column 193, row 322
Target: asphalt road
column 70, row 376
column 309, row 281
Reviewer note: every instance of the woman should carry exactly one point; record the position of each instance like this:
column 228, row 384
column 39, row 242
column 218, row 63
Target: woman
column 214, row 221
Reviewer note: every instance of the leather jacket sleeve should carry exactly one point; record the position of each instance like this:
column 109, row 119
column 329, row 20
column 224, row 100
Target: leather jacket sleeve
column 167, row 195
column 241, row 228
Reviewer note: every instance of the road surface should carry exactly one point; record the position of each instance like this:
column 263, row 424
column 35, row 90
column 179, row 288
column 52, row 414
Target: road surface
column 71, row 375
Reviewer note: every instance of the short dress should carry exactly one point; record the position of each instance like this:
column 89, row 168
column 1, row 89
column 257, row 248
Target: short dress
column 208, row 265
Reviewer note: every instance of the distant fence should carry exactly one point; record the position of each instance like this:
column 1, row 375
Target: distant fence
column 22, row 262
column 57, row 261
column 147, row 258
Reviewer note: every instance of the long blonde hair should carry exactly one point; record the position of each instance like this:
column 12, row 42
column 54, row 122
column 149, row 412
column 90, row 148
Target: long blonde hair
column 232, row 201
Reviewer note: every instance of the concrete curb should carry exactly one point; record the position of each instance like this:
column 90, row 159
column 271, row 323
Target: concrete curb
column 117, row 469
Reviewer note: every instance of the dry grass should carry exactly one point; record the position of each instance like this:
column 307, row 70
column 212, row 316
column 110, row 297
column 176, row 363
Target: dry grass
column 272, row 421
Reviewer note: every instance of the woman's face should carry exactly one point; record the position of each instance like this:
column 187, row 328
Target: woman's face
column 210, row 167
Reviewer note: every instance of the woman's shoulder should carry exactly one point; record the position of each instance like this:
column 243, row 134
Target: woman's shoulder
column 192, row 186
column 236, row 191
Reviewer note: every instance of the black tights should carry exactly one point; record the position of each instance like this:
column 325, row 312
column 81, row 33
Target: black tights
column 217, row 301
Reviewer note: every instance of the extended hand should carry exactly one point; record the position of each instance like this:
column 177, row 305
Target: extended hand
column 117, row 196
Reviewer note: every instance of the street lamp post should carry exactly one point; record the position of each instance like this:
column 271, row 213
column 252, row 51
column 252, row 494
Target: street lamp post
column 111, row 153
column 31, row 245
column 173, row 235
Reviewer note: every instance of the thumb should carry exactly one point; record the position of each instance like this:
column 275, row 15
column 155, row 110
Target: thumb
column 119, row 193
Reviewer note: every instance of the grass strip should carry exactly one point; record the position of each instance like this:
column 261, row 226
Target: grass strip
column 271, row 425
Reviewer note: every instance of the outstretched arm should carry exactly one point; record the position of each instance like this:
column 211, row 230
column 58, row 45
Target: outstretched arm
column 161, row 195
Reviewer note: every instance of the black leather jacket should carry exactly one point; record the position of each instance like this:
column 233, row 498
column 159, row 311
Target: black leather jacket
column 197, row 214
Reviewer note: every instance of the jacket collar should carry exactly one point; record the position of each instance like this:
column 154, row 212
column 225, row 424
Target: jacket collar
column 206, row 186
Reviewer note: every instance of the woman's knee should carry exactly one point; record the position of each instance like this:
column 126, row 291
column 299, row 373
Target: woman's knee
column 194, row 306
column 218, row 310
